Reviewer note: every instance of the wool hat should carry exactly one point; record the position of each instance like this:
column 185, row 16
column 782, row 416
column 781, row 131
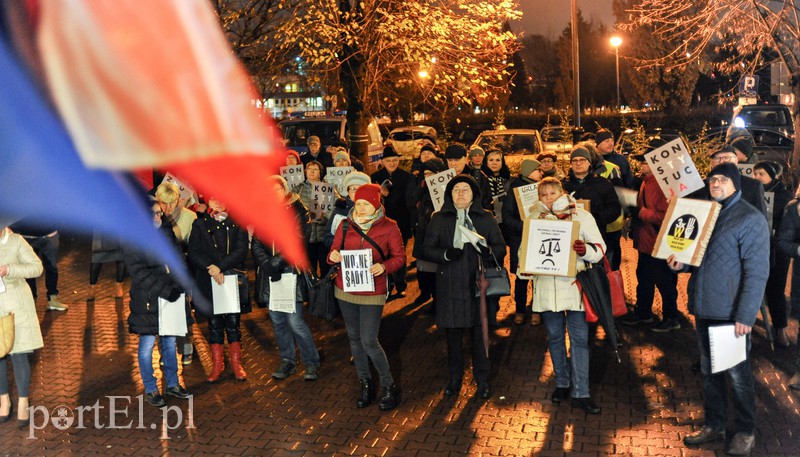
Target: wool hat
column 475, row 151
column 455, row 151
column 743, row 144
column 580, row 151
column 528, row 166
column 355, row 178
column 473, row 184
column 435, row 165
column 389, row 152
column 723, row 149
column 370, row 193
column 547, row 155
column 602, row 135
column 730, row 170
column 428, row 147
column 291, row 152
column 313, row 139
column 341, row 156
column 773, row 169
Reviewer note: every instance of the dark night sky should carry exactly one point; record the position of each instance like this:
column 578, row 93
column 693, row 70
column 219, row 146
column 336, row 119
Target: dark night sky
column 550, row 17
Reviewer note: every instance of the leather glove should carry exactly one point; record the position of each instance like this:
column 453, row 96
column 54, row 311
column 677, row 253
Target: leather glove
column 174, row 294
column 452, row 254
column 580, row 247
column 275, row 276
column 276, row 263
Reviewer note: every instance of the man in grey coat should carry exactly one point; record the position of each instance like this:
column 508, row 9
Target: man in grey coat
column 727, row 288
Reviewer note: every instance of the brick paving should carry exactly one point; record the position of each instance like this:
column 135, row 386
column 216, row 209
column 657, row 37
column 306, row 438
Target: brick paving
column 650, row 400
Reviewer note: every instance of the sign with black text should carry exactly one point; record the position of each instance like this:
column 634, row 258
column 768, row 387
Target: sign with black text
column 188, row 195
column 526, row 196
column 769, row 200
column 546, row 247
column 293, row 174
column 674, row 170
column 336, row 176
column 746, row 169
column 436, row 185
column 322, row 199
column 356, row 276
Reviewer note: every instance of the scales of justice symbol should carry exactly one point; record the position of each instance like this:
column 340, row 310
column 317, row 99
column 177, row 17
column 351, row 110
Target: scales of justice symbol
column 548, row 248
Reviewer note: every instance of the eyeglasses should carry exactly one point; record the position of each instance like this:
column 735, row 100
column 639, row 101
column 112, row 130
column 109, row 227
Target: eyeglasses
column 718, row 179
column 549, row 160
column 462, row 191
column 578, row 160
column 723, row 158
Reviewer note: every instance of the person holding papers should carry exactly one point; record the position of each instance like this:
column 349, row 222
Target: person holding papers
column 458, row 235
column 725, row 294
column 151, row 283
column 315, row 248
column 218, row 247
column 281, row 290
column 369, row 247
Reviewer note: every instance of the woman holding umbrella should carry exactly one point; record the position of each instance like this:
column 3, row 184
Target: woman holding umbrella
column 559, row 299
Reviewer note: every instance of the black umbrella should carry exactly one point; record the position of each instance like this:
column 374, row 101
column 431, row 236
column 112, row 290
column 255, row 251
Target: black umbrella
column 593, row 284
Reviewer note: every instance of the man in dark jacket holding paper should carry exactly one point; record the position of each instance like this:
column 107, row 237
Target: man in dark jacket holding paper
column 727, row 288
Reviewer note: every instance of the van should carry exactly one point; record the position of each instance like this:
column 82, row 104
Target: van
column 330, row 130
column 771, row 117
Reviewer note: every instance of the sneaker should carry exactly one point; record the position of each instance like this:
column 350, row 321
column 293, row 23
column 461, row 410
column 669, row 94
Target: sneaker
column 55, row 304
column 633, row 319
column 155, row 399
column 536, row 319
column 286, row 369
column 741, row 444
column 667, row 325
column 178, row 392
column 186, row 359
column 312, row 373
column 519, row 318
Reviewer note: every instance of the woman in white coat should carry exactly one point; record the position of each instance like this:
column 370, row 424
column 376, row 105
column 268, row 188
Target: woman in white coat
column 559, row 300
column 18, row 262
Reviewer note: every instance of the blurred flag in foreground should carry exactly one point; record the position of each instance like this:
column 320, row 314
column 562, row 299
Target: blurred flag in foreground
column 154, row 84
column 44, row 179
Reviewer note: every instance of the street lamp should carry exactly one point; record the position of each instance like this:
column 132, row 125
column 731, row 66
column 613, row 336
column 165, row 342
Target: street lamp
column 615, row 42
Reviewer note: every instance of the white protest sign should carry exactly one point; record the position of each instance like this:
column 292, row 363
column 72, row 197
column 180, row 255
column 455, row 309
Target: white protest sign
column 674, row 170
column 546, row 247
column 336, row 176
column 436, row 185
column 293, row 174
column 356, row 276
column 526, row 196
column 283, row 293
column 769, row 200
column 322, row 199
column 746, row 169
column 188, row 194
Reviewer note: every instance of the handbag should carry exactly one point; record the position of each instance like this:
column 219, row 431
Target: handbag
column 321, row 299
column 616, row 288
column 6, row 334
column 497, row 277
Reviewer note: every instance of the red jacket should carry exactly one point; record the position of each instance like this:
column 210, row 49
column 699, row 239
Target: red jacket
column 387, row 235
column 652, row 205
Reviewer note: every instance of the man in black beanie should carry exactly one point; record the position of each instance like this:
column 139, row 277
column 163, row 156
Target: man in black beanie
column 727, row 289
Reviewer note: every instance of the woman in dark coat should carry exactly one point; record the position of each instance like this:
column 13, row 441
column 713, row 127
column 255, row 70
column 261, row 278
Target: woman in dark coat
column 426, row 270
column 151, row 280
column 218, row 247
column 457, row 301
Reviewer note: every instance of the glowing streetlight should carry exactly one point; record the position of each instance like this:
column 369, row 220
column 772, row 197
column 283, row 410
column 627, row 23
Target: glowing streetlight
column 616, row 42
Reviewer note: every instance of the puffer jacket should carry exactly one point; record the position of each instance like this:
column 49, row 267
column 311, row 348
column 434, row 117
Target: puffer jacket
column 457, row 305
column 651, row 207
column 316, row 231
column 561, row 293
column 22, row 263
column 729, row 283
column 604, row 204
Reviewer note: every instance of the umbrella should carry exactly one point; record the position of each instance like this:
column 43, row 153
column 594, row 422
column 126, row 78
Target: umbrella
column 483, row 283
column 593, row 284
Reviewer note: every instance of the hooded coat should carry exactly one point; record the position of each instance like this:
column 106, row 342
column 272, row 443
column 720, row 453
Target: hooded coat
column 457, row 303
column 22, row 263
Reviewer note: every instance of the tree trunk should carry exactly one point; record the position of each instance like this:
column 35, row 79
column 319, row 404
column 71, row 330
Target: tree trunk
column 794, row 162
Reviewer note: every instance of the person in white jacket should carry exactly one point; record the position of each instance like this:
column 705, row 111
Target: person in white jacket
column 559, row 299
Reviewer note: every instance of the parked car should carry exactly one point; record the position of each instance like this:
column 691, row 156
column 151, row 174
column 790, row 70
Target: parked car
column 470, row 133
column 773, row 117
column 629, row 143
column 516, row 144
column 408, row 141
column 329, row 130
column 772, row 145
column 553, row 138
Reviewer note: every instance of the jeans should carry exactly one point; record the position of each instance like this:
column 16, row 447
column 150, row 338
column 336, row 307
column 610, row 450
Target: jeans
column 556, row 324
column 651, row 273
column 46, row 248
column 481, row 365
column 363, row 323
column 22, row 373
column 170, row 358
column 715, row 395
column 291, row 327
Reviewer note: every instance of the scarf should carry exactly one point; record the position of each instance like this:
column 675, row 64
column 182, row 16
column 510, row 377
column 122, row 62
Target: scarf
column 462, row 219
column 365, row 222
column 563, row 209
column 218, row 216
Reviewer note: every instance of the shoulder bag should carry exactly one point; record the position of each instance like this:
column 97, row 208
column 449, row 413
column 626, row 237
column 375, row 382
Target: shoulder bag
column 6, row 334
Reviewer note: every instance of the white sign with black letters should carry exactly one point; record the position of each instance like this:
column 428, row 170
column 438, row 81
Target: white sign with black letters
column 769, row 200
column 674, row 170
column 187, row 194
column 356, row 276
column 436, row 186
column 322, row 199
column 293, row 174
column 336, row 176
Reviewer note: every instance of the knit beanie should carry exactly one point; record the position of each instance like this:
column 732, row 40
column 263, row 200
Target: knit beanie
column 434, row 165
column 743, row 144
column 476, row 151
column 455, row 151
column 355, row 178
column 547, row 155
column 602, row 135
column 370, row 193
column 528, row 166
column 580, row 151
column 773, row 169
column 341, row 156
column 729, row 170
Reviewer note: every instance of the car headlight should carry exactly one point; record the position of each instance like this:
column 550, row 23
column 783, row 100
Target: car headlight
column 738, row 122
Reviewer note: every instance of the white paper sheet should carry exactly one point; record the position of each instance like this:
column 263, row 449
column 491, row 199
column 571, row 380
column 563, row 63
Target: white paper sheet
column 2, row 286
column 172, row 317
column 282, row 293
column 727, row 350
column 355, row 270
column 226, row 295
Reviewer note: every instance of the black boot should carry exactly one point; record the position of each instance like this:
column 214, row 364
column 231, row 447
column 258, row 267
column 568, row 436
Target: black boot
column 367, row 393
column 390, row 398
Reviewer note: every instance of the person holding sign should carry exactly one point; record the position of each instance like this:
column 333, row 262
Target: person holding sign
column 458, row 297
column 150, row 282
column 530, row 173
column 727, row 289
column 752, row 190
column 315, row 248
column 426, row 270
column 367, row 227
column 769, row 174
column 342, row 206
column 286, row 311
column 217, row 248
column 559, row 299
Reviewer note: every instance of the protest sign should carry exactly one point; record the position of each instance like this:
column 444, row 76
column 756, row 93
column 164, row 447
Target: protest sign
column 686, row 230
column 436, row 185
column 526, row 196
column 769, row 200
column 356, row 276
column 547, row 247
column 674, row 170
column 188, row 195
column 293, row 174
column 322, row 199
column 746, row 169
column 336, row 176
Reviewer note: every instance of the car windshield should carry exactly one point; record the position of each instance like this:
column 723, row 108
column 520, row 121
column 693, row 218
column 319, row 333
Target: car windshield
column 551, row 135
column 765, row 117
column 510, row 143
column 404, row 136
column 297, row 133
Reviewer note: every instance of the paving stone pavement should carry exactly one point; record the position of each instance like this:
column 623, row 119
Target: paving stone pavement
column 650, row 400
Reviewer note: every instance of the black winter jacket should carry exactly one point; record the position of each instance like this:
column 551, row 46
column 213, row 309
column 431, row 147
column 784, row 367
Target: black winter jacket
column 604, row 203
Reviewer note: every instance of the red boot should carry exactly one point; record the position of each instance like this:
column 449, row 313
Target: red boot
column 235, row 350
column 217, row 361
